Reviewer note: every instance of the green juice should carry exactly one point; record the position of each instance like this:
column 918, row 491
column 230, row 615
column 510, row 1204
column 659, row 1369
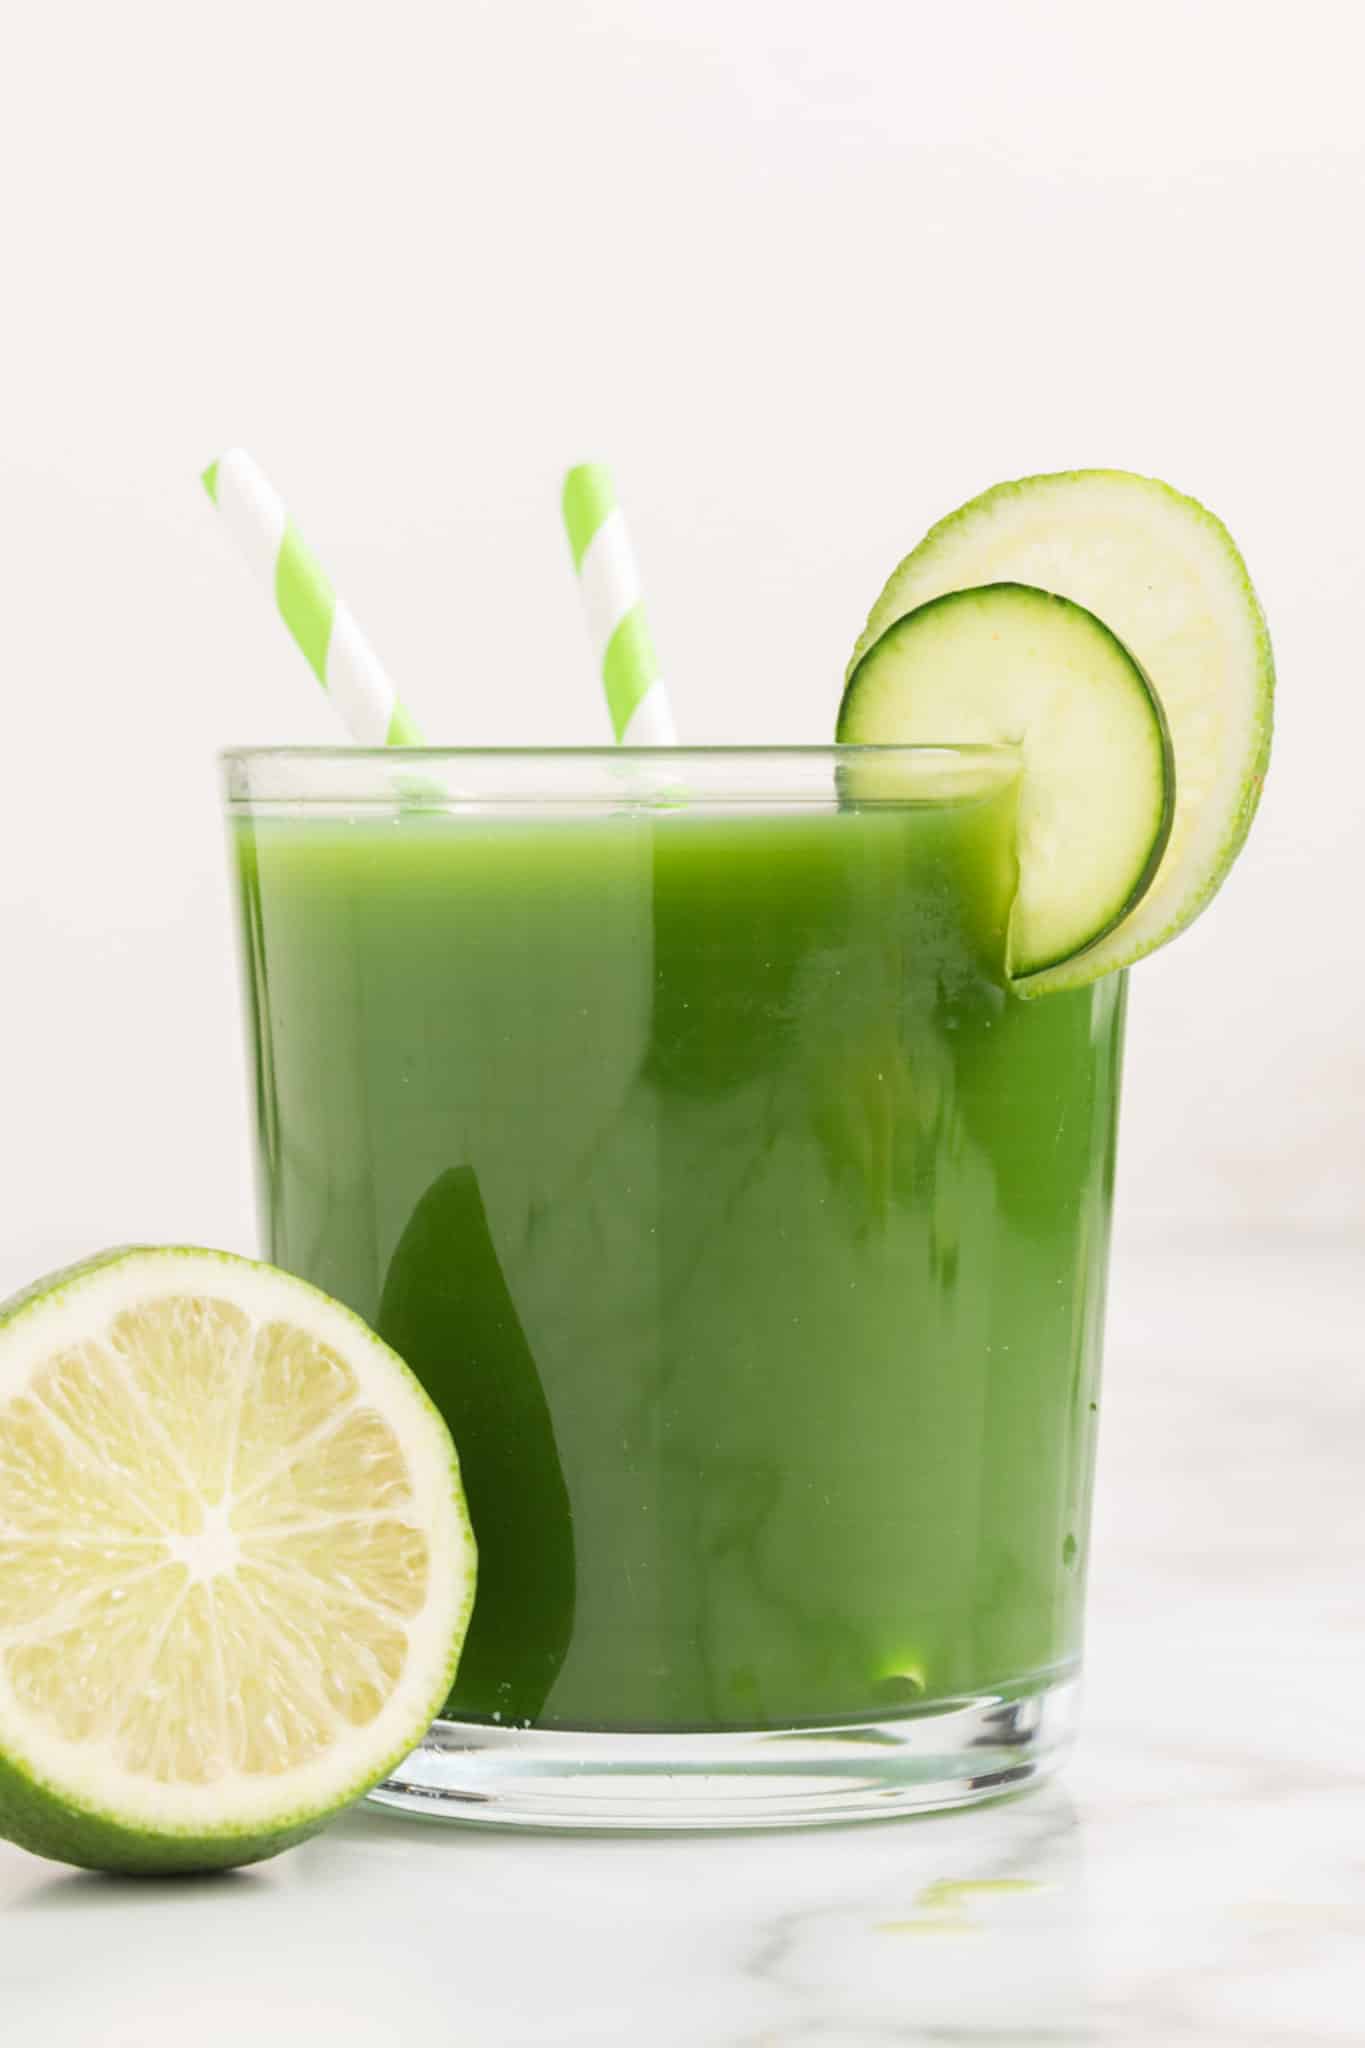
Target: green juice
column 748, row 1231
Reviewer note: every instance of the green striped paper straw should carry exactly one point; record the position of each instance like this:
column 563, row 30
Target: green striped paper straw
column 609, row 584
column 323, row 628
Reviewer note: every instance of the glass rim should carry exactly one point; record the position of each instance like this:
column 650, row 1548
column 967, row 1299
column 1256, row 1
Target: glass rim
column 835, row 750
column 271, row 779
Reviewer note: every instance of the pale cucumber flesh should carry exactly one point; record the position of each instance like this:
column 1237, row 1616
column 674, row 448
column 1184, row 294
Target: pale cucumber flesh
column 1164, row 573
column 1008, row 663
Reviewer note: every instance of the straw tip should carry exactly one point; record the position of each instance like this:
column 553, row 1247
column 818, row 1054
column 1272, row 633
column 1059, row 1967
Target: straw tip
column 589, row 496
column 209, row 478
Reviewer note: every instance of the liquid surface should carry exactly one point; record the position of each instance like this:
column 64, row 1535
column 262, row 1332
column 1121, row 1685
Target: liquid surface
column 749, row 1234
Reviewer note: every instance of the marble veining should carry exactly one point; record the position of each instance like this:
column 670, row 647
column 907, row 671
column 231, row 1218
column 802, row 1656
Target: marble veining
column 1196, row 1875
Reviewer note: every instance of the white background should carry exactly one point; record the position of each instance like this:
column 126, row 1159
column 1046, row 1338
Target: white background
column 807, row 275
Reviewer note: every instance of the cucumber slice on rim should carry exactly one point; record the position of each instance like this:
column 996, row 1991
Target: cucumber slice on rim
column 1008, row 662
column 1166, row 576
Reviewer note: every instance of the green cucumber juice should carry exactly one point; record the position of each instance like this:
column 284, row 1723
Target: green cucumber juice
column 746, row 1227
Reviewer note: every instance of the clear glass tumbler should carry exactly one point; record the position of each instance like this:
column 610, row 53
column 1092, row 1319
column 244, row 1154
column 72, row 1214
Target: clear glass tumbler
column 672, row 1115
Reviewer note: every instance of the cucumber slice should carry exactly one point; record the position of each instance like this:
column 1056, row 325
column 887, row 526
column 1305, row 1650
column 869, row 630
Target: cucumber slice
column 1010, row 663
column 1164, row 573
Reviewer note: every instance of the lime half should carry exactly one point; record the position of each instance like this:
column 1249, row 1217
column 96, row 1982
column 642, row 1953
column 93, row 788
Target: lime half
column 235, row 1563
column 1165, row 576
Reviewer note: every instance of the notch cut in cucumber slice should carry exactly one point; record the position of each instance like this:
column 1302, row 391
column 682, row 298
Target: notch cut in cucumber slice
column 1010, row 663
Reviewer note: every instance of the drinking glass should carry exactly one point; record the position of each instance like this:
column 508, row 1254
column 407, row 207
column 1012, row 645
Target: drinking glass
column 672, row 1114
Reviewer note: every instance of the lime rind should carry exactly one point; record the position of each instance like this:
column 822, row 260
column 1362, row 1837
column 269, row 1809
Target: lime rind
column 1165, row 574
column 64, row 1800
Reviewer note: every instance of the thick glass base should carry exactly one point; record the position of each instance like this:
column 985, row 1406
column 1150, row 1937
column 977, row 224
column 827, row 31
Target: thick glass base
column 955, row 1754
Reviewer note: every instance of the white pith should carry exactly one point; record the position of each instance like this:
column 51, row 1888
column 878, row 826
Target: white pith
column 405, row 1499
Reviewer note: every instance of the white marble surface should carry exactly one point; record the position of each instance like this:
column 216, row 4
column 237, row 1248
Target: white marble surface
column 1197, row 1875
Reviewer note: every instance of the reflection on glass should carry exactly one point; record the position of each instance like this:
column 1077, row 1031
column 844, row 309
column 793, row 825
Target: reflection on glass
column 445, row 1308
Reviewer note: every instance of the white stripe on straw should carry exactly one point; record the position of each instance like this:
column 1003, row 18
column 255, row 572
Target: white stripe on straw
column 651, row 722
column 608, row 581
column 323, row 628
column 618, row 631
